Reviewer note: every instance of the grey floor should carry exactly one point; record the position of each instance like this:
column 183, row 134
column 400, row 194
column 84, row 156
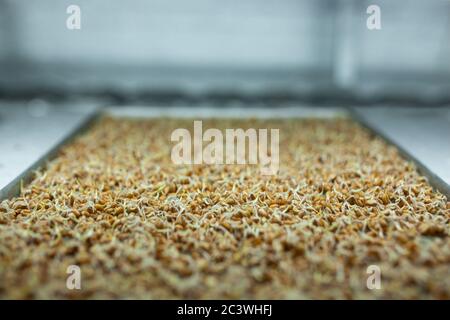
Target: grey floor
column 28, row 131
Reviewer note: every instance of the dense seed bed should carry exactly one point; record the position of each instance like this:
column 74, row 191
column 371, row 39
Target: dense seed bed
column 141, row 227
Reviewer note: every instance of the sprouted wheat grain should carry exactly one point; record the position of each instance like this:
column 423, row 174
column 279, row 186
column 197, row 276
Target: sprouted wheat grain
column 139, row 226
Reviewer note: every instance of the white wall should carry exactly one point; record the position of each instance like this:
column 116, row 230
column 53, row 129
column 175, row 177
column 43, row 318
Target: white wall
column 251, row 33
column 298, row 36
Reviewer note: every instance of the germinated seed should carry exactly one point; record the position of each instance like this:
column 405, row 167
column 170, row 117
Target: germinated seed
column 139, row 226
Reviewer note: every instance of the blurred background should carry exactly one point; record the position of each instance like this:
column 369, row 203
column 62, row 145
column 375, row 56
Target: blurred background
column 234, row 53
column 314, row 50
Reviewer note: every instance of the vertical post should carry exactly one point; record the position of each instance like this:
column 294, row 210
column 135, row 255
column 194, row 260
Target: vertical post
column 345, row 46
column 8, row 32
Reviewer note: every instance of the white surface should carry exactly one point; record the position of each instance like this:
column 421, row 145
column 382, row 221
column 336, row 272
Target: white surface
column 29, row 130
